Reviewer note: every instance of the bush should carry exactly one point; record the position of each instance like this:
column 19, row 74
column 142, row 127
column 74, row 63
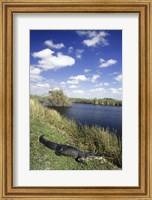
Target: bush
column 58, row 98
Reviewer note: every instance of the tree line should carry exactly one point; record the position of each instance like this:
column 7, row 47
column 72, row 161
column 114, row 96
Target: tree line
column 58, row 98
column 95, row 101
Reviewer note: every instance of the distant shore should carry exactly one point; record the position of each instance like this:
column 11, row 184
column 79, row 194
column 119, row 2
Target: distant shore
column 95, row 101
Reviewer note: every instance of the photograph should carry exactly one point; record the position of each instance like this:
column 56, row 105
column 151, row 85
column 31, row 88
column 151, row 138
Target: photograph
column 76, row 99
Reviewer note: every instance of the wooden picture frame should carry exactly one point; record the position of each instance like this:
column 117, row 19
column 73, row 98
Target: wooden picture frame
column 7, row 9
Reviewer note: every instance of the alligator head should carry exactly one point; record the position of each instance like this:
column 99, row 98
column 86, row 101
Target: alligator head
column 89, row 155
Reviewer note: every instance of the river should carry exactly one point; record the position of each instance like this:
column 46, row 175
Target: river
column 90, row 114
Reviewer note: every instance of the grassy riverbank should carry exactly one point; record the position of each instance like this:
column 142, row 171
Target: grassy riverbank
column 62, row 130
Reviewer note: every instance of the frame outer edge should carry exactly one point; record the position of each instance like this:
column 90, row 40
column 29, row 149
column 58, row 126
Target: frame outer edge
column 2, row 110
column 77, row 1
column 8, row 175
column 1, row 101
column 150, row 99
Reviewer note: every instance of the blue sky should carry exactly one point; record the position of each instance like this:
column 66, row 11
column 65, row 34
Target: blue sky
column 84, row 63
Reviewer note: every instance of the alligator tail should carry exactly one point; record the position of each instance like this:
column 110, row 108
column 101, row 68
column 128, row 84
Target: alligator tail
column 40, row 138
column 47, row 143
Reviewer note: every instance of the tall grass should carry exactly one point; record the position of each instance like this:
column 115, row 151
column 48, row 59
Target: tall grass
column 100, row 141
column 62, row 130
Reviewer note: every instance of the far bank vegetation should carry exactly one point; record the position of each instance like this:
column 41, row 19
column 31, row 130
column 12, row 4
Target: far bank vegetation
column 57, row 98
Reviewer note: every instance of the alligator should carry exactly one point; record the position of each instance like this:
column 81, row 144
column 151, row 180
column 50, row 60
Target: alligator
column 66, row 150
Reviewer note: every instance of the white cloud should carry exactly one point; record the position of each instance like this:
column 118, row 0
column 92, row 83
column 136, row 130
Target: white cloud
column 54, row 88
column 62, row 83
column 73, row 86
column 87, row 70
column 116, row 90
column 107, row 63
column 70, row 49
column 72, row 81
column 106, row 84
column 35, row 74
column 88, row 33
column 114, row 73
column 94, row 78
column 94, row 38
column 50, row 43
column 77, row 79
column 118, row 78
column 40, row 88
column 43, row 54
column 101, row 84
column 43, row 85
column 34, row 70
column 78, row 91
column 49, row 61
column 78, row 53
column 101, row 60
column 97, row 90
column 36, row 77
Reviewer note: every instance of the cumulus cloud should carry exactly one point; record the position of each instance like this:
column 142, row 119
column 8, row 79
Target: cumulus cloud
column 78, row 91
column 101, row 60
column 104, row 63
column 87, row 70
column 78, row 53
column 70, row 49
column 87, row 33
column 94, row 38
column 50, row 43
column 35, row 74
column 43, row 54
column 106, row 84
column 43, row 85
column 94, row 78
column 114, row 73
column 36, row 77
column 118, row 78
column 54, row 88
column 34, row 70
column 73, row 86
column 101, row 84
column 76, row 79
column 97, row 90
column 62, row 83
column 39, row 88
column 48, row 61
column 72, row 81
column 116, row 90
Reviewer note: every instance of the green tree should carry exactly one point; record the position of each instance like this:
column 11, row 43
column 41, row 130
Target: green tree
column 58, row 98
column 95, row 101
